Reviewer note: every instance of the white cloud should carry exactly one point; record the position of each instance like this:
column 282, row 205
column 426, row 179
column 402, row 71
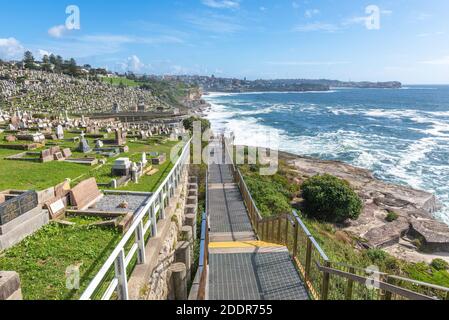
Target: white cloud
column 444, row 61
column 57, row 31
column 222, row 4
column 124, row 39
column 133, row 64
column 295, row 5
column 316, row 26
column 214, row 23
column 41, row 53
column 11, row 49
column 311, row 12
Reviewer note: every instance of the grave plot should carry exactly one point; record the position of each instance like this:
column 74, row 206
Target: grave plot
column 20, row 216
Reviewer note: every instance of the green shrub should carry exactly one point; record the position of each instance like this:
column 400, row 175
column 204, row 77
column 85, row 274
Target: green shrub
column 269, row 196
column 188, row 123
column 330, row 198
column 439, row 264
column 376, row 255
column 392, row 216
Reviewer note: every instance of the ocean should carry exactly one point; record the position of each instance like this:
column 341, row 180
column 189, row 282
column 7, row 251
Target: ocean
column 401, row 135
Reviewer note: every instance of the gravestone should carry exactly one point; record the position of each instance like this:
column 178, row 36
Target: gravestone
column 46, row 156
column 10, row 138
column 144, row 159
column 120, row 137
column 85, row 194
column 83, row 146
column 18, row 206
column 159, row 160
column 60, row 132
column 99, row 144
column 67, row 153
column 62, row 189
column 55, row 150
column 58, row 156
column 121, row 167
column 56, row 208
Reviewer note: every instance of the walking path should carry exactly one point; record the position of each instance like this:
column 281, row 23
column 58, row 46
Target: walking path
column 240, row 267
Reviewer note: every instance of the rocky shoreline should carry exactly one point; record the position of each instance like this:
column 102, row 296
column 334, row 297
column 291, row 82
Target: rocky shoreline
column 415, row 235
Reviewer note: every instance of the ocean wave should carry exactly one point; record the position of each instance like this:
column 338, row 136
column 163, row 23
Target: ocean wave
column 413, row 156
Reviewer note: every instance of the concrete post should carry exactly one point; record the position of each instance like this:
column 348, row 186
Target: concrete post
column 191, row 222
column 10, row 286
column 183, row 255
column 179, row 281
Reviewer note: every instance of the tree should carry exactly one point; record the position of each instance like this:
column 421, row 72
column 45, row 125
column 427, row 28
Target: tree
column 72, row 67
column 53, row 59
column 46, row 66
column 188, row 123
column 331, row 199
column 28, row 59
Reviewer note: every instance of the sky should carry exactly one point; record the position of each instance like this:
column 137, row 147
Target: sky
column 376, row 40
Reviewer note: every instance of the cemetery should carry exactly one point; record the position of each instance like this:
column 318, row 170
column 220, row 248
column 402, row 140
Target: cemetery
column 107, row 177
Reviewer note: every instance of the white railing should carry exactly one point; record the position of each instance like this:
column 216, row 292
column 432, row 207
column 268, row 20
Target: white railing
column 119, row 259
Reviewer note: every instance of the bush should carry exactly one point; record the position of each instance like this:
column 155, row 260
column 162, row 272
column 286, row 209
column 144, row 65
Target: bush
column 376, row 255
column 188, row 123
column 439, row 264
column 392, row 216
column 330, row 198
column 269, row 197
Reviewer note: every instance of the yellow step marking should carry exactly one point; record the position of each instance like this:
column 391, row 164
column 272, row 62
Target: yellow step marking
column 242, row 244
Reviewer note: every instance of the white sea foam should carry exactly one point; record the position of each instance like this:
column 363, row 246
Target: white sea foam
column 394, row 158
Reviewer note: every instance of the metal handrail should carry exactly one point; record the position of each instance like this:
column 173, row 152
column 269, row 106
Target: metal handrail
column 324, row 267
column 204, row 245
column 155, row 204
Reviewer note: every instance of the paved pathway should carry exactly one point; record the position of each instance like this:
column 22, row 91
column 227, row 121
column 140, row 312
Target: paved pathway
column 240, row 267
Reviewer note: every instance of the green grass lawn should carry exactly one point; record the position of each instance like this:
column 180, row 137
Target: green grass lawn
column 117, row 80
column 42, row 259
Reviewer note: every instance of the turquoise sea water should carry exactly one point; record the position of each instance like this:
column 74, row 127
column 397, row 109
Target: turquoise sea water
column 402, row 135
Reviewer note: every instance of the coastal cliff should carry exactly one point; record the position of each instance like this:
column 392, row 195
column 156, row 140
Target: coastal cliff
column 415, row 235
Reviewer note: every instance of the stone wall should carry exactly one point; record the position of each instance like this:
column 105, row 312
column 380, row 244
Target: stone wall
column 158, row 286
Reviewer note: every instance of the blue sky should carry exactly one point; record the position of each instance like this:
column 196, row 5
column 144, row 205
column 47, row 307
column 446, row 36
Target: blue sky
column 240, row 38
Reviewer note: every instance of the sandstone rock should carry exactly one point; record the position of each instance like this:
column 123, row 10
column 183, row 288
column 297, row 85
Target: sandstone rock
column 414, row 207
column 434, row 233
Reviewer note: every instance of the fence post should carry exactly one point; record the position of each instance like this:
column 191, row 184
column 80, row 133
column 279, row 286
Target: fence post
column 279, row 230
column 162, row 203
column 350, row 285
column 287, row 222
column 308, row 258
column 120, row 273
column 387, row 295
column 267, row 226
column 325, row 285
column 153, row 217
column 141, row 259
column 295, row 242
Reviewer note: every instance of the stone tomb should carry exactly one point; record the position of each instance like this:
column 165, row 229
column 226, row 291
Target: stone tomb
column 159, row 160
column 20, row 216
column 121, row 167
column 18, row 206
column 85, row 194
